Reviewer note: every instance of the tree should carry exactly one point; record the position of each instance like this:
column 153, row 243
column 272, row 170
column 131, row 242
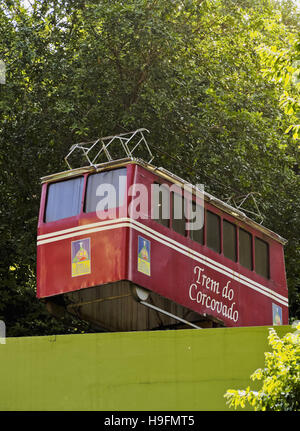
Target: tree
column 186, row 70
column 280, row 377
column 283, row 66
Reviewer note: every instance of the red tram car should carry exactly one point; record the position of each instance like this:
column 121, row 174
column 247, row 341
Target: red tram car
column 122, row 269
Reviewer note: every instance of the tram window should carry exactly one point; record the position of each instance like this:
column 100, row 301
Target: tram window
column 262, row 258
column 161, row 204
column 213, row 231
column 178, row 214
column 197, row 234
column 108, row 187
column 63, row 199
column 229, row 240
column 245, row 249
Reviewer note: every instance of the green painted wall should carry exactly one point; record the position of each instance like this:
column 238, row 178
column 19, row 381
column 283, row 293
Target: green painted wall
column 150, row 371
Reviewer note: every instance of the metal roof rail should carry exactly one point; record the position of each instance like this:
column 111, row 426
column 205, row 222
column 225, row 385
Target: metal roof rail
column 238, row 201
column 93, row 150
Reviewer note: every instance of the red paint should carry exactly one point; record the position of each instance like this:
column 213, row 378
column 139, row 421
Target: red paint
column 195, row 284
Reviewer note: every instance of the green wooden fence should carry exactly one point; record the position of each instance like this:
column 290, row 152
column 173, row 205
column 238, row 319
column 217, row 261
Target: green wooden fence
column 185, row 370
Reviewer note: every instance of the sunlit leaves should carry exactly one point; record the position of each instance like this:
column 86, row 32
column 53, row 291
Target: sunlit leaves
column 280, row 377
column 283, row 66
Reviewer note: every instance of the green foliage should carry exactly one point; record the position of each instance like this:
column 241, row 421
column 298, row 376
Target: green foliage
column 186, row 70
column 280, row 378
column 282, row 66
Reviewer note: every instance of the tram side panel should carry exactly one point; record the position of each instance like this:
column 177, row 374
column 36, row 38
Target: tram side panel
column 196, row 277
column 81, row 261
column 79, row 252
column 203, row 284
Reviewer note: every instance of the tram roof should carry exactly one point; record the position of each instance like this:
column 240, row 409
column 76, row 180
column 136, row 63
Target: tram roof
column 169, row 176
